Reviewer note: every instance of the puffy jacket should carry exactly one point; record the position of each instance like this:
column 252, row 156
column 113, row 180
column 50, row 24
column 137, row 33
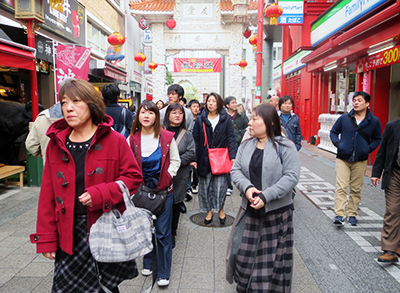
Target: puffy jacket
column 107, row 152
column 222, row 137
column 292, row 128
column 351, row 146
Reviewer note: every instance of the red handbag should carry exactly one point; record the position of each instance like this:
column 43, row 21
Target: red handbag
column 218, row 157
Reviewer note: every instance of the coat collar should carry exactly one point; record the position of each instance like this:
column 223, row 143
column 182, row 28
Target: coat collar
column 222, row 116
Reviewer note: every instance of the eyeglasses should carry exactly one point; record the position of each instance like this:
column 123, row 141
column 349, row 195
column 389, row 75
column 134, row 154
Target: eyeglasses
column 176, row 113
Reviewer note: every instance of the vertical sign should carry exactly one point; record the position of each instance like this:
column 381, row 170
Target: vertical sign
column 292, row 12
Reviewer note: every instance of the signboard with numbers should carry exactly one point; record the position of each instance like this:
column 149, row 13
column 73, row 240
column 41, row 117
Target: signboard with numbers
column 378, row 60
column 197, row 64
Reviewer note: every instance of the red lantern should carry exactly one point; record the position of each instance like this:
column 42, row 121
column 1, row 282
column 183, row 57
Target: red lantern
column 117, row 40
column 140, row 58
column 242, row 64
column 143, row 24
column 253, row 41
column 153, row 65
column 171, row 23
column 247, row 33
column 273, row 12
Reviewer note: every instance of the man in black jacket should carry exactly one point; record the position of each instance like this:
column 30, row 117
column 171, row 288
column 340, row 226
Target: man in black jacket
column 240, row 123
column 388, row 161
column 360, row 134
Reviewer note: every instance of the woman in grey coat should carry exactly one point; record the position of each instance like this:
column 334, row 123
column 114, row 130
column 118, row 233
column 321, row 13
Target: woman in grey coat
column 260, row 258
column 174, row 121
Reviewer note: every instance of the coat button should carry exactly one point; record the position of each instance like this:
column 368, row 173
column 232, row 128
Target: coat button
column 36, row 238
column 107, row 206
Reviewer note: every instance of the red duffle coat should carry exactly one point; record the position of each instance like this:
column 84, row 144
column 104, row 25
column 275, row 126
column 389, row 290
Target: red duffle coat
column 110, row 155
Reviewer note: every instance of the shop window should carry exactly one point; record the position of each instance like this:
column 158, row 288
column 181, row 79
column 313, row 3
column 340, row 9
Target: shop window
column 97, row 39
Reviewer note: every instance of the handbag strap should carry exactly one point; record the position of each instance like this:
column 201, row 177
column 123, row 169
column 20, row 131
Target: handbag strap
column 359, row 130
column 179, row 138
column 205, row 135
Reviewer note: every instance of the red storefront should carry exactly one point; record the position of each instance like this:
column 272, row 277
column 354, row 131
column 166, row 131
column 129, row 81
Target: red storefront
column 359, row 53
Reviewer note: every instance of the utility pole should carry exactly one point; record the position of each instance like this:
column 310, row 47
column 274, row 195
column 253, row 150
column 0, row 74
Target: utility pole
column 260, row 35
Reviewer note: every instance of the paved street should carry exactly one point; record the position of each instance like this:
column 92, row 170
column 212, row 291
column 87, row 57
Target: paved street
column 327, row 258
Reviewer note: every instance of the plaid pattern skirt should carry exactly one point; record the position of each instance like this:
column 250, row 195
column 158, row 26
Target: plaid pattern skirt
column 212, row 192
column 268, row 268
column 78, row 273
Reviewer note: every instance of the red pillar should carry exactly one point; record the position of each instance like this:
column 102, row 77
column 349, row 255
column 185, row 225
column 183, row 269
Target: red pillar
column 286, row 52
column 33, row 76
column 260, row 34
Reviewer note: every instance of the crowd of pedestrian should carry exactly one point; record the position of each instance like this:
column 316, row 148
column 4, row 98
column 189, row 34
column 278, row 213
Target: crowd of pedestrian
column 166, row 147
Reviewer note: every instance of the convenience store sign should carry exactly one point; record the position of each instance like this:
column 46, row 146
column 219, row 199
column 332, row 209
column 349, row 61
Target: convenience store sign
column 292, row 12
column 294, row 62
column 378, row 60
column 339, row 16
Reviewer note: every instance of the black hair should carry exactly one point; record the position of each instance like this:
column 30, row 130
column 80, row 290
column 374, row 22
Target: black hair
column 220, row 102
column 193, row 102
column 150, row 106
column 170, row 108
column 284, row 99
column 183, row 99
column 366, row 96
column 177, row 89
column 110, row 93
column 229, row 99
column 271, row 120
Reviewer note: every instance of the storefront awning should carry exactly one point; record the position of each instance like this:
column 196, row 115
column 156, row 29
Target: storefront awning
column 15, row 57
column 355, row 42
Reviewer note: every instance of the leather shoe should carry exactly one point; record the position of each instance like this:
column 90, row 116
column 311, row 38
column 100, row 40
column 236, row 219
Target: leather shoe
column 388, row 257
column 222, row 220
column 182, row 208
column 208, row 221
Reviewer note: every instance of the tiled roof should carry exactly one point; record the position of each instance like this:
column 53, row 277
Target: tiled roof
column 168, row 5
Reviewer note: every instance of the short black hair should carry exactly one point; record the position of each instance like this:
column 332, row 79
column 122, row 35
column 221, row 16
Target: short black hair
column 365, row 96
column 229, row 99
column 170, row 108
column 110, row 93
column 183, row 99
column 193, row 102
column 284, row 99
column 177, row 89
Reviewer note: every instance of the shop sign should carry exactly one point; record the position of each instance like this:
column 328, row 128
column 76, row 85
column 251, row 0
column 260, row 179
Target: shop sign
column 292, row 12
column 44, row 48
column 136, row 76
column 294, row 63
column 339, row 16
column 277, row 72
column 147, row 37
column 72, row 62
column 378, row 60
column 197, row 65
column 149, row 87
column 147, row 50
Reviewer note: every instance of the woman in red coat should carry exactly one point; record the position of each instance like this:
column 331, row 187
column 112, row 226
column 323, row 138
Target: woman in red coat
column 83, row 160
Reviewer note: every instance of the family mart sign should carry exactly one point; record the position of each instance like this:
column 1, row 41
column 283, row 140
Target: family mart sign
column 339, row 16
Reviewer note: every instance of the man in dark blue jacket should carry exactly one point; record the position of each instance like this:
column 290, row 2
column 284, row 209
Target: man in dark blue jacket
column 387, row 161
column 360, row 134
column 290, row 121
column 123, row 118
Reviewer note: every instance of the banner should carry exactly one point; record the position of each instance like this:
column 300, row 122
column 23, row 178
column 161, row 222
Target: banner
column 197, row 64
column 72, row 62
column 378, row 60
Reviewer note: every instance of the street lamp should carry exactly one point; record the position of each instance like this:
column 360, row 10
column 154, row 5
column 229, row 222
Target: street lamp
column 32, row 12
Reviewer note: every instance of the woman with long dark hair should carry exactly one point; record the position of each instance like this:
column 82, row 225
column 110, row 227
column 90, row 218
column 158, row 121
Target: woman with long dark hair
column 157, row 155
column 217, row 125
column 266, row 169
column 175, row 121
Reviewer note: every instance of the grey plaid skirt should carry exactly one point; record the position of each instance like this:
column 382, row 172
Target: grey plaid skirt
column 268, row 269
column 78, row 273
column 212, row 192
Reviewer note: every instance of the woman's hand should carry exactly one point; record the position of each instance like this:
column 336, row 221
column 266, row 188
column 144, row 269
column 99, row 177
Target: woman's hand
column 86, row 199
column 249, row 193
column 50, row 255
column 232, row 161
column 193, row 164
column 257, row 203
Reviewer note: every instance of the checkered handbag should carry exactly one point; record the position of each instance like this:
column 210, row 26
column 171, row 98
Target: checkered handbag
column 119, row 238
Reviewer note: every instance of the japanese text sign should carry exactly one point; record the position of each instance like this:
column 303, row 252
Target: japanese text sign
column 292, row 12
column 197, row 64
column 378, row 60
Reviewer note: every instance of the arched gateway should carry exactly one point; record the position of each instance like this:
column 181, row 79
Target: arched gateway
column 200, row 25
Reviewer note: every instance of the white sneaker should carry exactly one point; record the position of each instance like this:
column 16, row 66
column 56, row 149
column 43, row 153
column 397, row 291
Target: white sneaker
column 229, row 192
column 146, row 272
column 163, row 282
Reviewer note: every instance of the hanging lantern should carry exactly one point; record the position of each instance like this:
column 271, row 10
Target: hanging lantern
column 240, row 8
column 242, row 64
column 143, row 24
column 171, row 23
column 273, row 12
column 247, row 33
column 153, row 65
column 253, row 41
column 140, row 58
column 117, row 40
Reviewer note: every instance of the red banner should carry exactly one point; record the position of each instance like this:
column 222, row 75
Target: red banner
column 72, row 62
column 197, row 64
column 378, row 60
